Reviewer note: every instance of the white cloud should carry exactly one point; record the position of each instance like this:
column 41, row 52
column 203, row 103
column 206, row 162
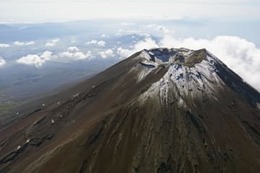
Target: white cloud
column 3, row 45
column 74, row 53
column 35, row 59
column 147, row 43
column 73, row 49
column 100, row 43
column 242, row 56
column 19, row 43
column 2, row 61
column 124, row 53
column 107, row 53
column 104, row 36
column 91, row 42
column 52, row 43
column 157, row 28
column 239, row 54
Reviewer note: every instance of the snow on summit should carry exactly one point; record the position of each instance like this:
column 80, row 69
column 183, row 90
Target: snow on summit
column 190, row 73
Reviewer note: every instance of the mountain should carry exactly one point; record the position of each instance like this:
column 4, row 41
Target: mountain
column 160, row 110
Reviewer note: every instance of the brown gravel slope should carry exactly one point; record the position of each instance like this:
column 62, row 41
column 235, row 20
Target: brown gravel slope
column 101, row 126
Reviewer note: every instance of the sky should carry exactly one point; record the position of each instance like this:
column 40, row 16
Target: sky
column 227, row 28
column 20, row 11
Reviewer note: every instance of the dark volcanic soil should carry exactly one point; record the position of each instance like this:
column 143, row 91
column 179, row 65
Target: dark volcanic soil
column 104, row 125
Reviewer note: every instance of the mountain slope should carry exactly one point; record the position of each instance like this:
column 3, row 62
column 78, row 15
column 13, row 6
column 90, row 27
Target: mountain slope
column 160, row 110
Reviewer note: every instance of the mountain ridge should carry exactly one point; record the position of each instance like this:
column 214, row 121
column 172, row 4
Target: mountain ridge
column 160, row 110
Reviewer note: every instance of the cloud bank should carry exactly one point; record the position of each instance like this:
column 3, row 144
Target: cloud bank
column 241, row 55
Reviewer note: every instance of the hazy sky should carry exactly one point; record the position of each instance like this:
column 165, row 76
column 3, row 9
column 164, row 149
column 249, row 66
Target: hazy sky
column 228, row 28
column 65, row 10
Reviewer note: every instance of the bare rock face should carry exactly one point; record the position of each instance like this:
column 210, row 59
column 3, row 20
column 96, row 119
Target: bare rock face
column 160, row 110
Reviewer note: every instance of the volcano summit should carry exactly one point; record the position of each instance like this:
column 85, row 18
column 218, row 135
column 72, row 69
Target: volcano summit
column 160, row 110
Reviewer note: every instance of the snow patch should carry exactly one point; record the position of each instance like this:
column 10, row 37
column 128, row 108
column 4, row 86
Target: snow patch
column 180, row 81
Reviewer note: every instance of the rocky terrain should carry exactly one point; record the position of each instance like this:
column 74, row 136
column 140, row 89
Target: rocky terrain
column 160, row 110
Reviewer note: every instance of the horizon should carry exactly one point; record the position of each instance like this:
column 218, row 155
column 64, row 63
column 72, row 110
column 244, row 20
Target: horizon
column 39, row 33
